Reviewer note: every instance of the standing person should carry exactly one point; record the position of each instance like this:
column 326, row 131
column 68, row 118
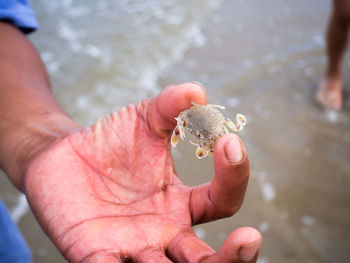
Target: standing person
column 330, row 90
column 110, row 192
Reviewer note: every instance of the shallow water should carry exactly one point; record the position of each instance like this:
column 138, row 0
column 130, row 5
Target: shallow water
column 260, row 58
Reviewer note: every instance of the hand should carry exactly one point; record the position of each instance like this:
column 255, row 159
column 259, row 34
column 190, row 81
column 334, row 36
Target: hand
column 110, row 193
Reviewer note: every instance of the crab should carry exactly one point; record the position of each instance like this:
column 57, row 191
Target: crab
column 207, row 124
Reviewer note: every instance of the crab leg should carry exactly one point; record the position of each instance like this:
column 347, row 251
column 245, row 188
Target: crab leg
column 213, row 105
column 193, row 143
column 231, row 125
column 217, row 106
column 200, row 152
column 181, row 129
column 175, row 137
column 193, row 103
column 182, row 132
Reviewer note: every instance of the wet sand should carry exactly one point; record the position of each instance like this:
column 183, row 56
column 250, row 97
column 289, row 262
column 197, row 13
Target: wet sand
column 261, row 58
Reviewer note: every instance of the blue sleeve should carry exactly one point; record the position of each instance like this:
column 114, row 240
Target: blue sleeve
column 18, row 13
column 13, row 247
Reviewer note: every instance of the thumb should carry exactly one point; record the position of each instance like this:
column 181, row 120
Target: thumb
column 231, row 173
column 224, row 195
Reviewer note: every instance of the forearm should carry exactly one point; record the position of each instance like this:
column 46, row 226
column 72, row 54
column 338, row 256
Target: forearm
column 30, row 117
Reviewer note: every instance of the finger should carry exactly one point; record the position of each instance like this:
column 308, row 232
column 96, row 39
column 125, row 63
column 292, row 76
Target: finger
column 224, row 195
column 242, row 245
column 170, row 102
column 187, row 247
column 152, row 255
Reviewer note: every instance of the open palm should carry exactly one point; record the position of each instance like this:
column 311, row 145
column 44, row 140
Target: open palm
column 110, row 193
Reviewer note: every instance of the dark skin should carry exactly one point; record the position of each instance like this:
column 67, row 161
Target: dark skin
column 109, row 192
column 330, row 90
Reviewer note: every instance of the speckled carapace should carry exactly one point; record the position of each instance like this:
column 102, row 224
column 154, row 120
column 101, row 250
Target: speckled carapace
column 207, row 124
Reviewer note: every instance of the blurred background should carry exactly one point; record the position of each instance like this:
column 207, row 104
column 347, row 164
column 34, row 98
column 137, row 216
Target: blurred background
column 260, row 58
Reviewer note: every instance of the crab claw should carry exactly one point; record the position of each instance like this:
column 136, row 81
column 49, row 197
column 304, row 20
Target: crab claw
column 241, row 120
column 201, row 153
column 240, row 123
column 175, row 137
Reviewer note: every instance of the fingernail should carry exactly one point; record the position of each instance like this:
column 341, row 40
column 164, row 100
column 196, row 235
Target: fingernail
column 198, row 83
column 233, row 150
column 247, row 253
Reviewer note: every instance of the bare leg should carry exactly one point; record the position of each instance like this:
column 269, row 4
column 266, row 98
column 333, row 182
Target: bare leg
column 330, row 90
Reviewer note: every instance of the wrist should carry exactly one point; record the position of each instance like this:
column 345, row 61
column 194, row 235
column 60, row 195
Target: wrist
column 31, row 138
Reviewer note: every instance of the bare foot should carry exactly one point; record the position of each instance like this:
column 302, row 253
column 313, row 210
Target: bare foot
column 329, row 94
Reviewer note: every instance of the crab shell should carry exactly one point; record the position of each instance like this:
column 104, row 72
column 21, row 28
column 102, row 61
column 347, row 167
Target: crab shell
column 203, row 121
column 207, row 124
